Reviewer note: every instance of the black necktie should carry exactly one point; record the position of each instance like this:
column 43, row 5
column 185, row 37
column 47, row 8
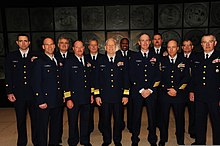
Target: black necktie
column 124, row 53
column 93, row 58
column 64, row 56
column 111, row 59
column 24, row 56
column 157, row 51
column 145, row 55
column 54, row 61
column 172, row 61
column 206, row 56
column 81, row 61
column 186, row 56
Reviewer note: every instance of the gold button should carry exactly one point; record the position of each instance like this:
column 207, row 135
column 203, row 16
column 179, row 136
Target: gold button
column 84, row 71
column 25, row 66
column 111, row 75
column 134, row 83
column 145, row 70
column 203, row 84
column 25, row 72
column 172, row 71
column 25, row 77
column 37, row 94
column 58, row 82
column 145, row 75
column 112, row 86
column 145, row 65
column 112, row 81
column 85, row 81
column 58, row 88
column 111, row 69
column 204, row 66
column 85, row 76
column 203, row 78
column 203, row 72
column 25, row 83
column 172, row 86
column 58, row 76
column 48, row 70
column 171, row 76
column 85, row 86
column 171, row 81
column 162, row 85
column 145, row 80
column 46, row 94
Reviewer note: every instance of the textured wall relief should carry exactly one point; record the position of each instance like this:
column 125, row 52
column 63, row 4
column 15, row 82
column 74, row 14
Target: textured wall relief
column 65, row 18
column 93, row 18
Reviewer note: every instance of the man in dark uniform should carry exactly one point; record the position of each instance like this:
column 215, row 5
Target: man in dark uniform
column 157, row 45
column 160, row 51
column 144, row 75
column 18, row 71
column 61, row 55
column 93, row 58
column 125, row 53
column 78, row 97
column 206, row 90
column 174, row 79
column 111, row 92
column 187, row 52
column 46, row 84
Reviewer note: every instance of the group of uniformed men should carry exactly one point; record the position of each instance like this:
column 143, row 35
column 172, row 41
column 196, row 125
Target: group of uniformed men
column 158, row 78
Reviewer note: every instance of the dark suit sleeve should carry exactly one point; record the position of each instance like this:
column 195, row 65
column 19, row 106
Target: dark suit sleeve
column 97, row 80
column 9, row 75
column 37, row 81
column 126, row 81
column 66, row 80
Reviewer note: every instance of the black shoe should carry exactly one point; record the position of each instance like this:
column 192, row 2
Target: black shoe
column 153, row 144
column 118, row 144
column 134, row 144
column 192, row 136
column 161, row 143
column 194, row 143
column 88, row 144
column 105, row 144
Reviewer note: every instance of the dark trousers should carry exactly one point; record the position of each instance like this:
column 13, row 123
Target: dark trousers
column 191, row 110
column 91, row 123
column 61, row 123
column 21, row 109
column 81, row 111
column 178, row 109
column 109, row 109
column 138, row 103
column 51, row 117
column 202, row 111
column 129, row 114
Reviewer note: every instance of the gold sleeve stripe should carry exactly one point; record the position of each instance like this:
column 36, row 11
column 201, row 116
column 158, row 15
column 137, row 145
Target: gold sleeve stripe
column 156, row 84
column 126, row 92
column 67, row 94
column 183, row 86
column 92, row 90
column 96, row 92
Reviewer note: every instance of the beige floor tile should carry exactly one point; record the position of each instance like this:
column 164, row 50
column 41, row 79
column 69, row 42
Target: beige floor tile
column 8, row 133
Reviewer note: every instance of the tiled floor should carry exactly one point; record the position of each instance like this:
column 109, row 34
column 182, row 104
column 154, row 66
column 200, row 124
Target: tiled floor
column 8, row 132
